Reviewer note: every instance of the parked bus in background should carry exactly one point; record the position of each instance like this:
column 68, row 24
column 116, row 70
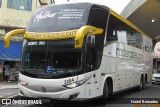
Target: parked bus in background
column 81, row 51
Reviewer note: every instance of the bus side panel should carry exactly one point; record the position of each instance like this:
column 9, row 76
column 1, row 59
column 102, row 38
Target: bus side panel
column 148, row 56
column 107, row 66
column 125, row 64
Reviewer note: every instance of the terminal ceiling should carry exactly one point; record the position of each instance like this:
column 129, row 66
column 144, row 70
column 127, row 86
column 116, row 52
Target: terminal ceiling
column 143, row 16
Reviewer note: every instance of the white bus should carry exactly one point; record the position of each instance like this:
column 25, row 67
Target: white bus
column 81, row 51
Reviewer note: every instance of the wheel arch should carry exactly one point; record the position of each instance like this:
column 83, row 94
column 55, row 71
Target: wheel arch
column 109, row 81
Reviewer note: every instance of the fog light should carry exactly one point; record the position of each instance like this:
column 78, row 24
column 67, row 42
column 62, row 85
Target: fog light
column 73, row 96
column 23, row 83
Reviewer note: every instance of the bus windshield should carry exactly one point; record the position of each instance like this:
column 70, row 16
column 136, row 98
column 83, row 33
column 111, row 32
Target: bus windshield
column 58, row 18
column 48, row 57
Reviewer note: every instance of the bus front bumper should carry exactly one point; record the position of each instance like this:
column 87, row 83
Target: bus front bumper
column 68, row 94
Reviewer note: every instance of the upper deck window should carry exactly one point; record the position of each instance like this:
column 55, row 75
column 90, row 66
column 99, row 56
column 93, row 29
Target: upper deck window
column 55, row 18
column 20, row 4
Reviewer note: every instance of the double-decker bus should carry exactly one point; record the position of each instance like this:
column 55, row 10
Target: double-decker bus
column 81, row 51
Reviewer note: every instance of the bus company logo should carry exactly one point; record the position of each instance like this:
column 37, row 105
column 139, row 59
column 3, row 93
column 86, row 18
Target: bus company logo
column 49, row 35
column 43, row 89
column 128, row 54
column 44, row 15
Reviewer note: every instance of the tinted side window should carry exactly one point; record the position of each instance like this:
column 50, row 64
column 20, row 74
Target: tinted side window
column 113, row 24
column 134, row 38
column 147, row 44
column 118, row 30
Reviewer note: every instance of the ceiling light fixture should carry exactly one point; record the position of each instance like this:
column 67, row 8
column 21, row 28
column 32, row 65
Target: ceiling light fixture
column 154, row 19
column 158, row 0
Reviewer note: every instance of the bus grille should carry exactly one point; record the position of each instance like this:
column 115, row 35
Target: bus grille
column 48, row 88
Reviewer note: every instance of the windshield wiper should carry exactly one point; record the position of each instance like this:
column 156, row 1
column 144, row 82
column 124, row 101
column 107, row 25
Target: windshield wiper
column 21, row 69
column 72, row 73
column 69, row 71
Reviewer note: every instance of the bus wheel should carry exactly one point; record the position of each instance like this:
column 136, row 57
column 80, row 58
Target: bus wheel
column 144, row 83
column 140, row 88
column 105, row 93
column 153, row 83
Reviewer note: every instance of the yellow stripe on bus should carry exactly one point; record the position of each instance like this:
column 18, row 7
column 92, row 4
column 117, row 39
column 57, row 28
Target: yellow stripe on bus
column 50, row 35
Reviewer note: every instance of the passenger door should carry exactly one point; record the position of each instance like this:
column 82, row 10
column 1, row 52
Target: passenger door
column 90, row 68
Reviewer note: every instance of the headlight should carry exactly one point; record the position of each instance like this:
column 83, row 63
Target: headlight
column 23, row 83
column 75, row 84
column 72, row 85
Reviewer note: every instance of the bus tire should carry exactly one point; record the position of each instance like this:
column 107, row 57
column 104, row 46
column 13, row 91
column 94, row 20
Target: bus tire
column 140, row 87
column 153, row 83
column 105, row 93
column 144, row 83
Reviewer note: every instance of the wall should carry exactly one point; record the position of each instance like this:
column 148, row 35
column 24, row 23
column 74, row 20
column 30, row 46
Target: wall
column 15, row 18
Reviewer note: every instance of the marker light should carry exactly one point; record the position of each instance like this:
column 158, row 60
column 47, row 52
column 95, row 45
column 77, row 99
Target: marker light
column 153, row 20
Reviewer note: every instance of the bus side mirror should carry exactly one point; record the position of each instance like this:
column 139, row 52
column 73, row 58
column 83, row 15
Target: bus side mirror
column 7, row 37
column 83, row 31
column 91, row 39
